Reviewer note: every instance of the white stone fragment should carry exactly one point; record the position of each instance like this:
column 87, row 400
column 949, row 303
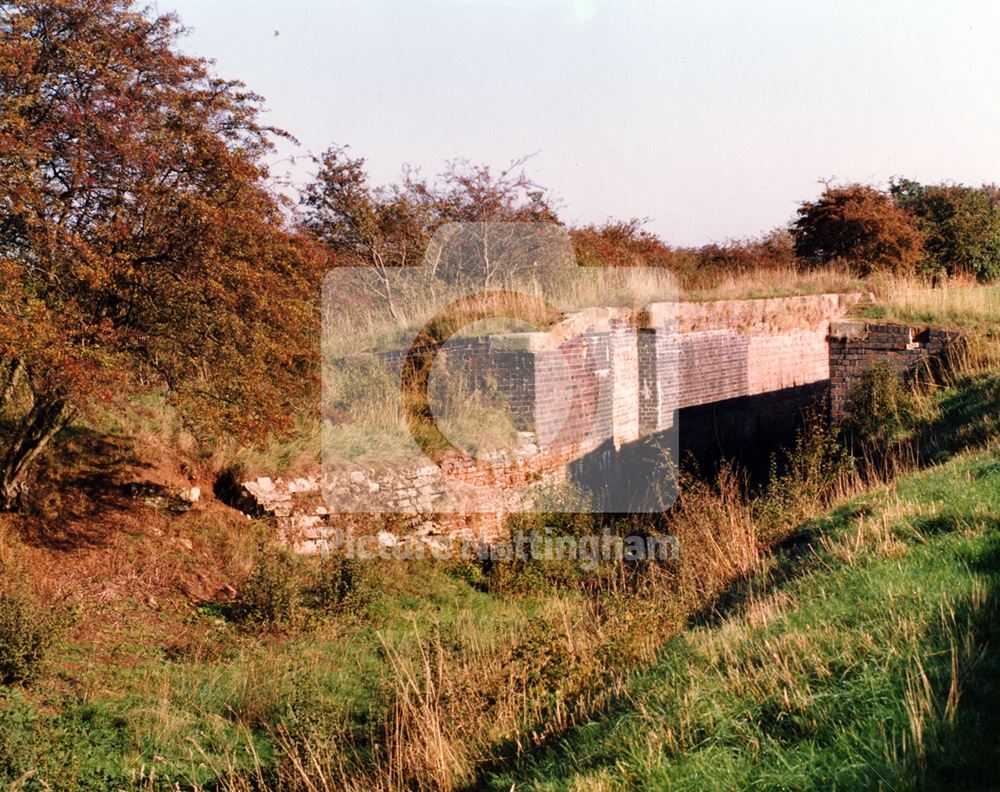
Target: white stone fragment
column 386, row 539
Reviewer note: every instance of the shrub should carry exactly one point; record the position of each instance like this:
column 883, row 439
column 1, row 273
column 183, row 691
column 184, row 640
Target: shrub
column 270, row 595
column 880, row 405
column 774, row 251
column 26, row 634
column 809, row 477
column 719, row 539
column 344, row 583
column 525, row 573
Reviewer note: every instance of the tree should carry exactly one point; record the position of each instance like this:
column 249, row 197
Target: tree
column 621, row 243
column 961, row 225
column 471, row 193
column 382, row 228
column 861, row 226
column 387, row 228
column 139, row 245
column 507, row 221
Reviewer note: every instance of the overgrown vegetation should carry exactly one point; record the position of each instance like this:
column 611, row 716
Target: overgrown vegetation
column 939, row 231
column 960, row 305
column 270, row 597
column 880, row 405
column 433, row 675
column 837, row 627
column 26, row 632
column 343, row 585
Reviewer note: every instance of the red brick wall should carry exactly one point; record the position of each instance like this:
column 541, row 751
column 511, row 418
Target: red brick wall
column 855, row 346
column 630, row 372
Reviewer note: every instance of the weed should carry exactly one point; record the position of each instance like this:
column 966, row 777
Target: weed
column 26, row 633
column 880, row 405
column 812, row 474
column 270, row 596
column 343, row 584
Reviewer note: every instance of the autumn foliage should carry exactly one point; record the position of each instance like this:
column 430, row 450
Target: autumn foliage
column 619, row 243
column 139, row 245
column 860, row 226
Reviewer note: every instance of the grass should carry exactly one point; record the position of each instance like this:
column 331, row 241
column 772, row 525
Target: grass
column 862, row 652
column 957, row 305
column 799, row 669
column 371, row 424
column 352, row 324
column 209, row 706
column 864, row 657
column 955, row 302
column 776, row 282
column 152, row 423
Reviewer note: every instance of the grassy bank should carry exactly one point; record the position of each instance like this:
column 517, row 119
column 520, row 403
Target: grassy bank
column 864, row 656
column 783, row 649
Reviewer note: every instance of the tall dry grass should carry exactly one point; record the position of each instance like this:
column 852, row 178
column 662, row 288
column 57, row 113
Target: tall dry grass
column 762, row 283
column 958, row 302
column 457, row 703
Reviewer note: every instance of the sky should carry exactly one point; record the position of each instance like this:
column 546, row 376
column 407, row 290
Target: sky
column 712, row 119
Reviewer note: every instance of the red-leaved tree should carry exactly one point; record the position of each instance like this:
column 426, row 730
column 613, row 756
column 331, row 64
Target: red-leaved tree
column 140, row 247
column 860, row 226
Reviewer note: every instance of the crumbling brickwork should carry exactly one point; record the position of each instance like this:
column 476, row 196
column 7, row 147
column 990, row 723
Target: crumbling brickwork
column 855, row 346
column 631, row 374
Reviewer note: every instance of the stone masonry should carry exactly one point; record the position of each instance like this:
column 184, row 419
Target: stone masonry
column 631, row 371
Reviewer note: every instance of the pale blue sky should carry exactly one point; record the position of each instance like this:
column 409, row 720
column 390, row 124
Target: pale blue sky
column 714, row 119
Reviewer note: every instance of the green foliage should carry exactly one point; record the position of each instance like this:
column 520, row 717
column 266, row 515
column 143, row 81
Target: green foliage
column 270, row 597
column 26, row 633
column 542, row 652
column 961, row 227
column 344, row 584
column 880, row 405
column 16, row 731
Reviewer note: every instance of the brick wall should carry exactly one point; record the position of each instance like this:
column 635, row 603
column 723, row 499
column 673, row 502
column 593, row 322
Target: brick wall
column 592, row 386
column 855, row 346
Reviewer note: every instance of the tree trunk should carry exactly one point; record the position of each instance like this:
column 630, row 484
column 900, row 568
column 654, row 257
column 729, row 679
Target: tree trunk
column 46, row 417
column 11, row 378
